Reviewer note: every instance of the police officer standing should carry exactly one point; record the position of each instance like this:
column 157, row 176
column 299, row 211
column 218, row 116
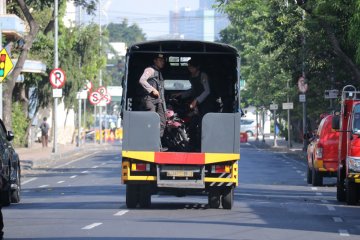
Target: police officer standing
column 152, row 83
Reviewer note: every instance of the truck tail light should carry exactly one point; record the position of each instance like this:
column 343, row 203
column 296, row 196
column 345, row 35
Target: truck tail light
column 319, row 151
column 220, row 169
column 140, row 167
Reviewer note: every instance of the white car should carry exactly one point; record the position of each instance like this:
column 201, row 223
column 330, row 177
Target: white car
column 248, row 126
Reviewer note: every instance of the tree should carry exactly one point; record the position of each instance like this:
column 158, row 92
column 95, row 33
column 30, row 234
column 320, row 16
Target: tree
column 122, row 32
column 277, row 44
column 22, row 10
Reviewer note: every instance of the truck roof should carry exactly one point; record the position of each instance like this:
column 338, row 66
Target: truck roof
column 182, row 46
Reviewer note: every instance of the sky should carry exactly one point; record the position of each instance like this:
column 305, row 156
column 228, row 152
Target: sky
column 152, row 16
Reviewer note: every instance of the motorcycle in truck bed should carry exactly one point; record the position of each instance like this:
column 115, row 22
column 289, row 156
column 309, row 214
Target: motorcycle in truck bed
column 210, row 168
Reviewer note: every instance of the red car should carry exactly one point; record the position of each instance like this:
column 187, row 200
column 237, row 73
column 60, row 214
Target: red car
column 322, row 153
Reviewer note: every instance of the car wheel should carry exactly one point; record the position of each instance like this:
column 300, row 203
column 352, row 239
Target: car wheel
column 317, row 179
column 250, row 133
column 6, row 195
column 309, row 175
column 15, row 193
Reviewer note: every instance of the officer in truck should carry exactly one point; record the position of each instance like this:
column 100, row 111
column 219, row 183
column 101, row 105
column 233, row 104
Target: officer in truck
column 152, row 84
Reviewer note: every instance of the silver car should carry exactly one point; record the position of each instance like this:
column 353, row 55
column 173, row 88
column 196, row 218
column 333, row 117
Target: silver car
column 248, row 126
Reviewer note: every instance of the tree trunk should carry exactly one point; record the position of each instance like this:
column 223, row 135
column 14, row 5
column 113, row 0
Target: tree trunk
column 10, row 84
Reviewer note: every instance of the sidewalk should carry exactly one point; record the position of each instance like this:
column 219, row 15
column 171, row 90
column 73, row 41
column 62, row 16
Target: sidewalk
column 281, row 146
column 38, row 157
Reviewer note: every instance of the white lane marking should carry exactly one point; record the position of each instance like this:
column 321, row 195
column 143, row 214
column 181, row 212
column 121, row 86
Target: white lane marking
column 298, row 171
column 43, row 186
column 324, row 201
column 95, row 167
column 29, row 180
column 314, row 188
column 337, row 219
column 330, row 208
column 247, row 143
column 318, row 194
column 120, row 213
column 103, row 164
column 75, row 160
column 91, row 226
column 344, row 233
column 60, row 181
column 74, row 176
column 84, row 171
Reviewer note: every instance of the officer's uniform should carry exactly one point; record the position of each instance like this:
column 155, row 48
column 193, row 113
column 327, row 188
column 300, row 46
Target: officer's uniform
column 152, row 79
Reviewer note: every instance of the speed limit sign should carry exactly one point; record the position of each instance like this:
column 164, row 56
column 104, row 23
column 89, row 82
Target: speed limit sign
column 95, row 98
column 57, row 78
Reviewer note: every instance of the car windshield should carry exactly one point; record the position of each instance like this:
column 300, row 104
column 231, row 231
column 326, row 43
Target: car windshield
column 171, row 84
column 356, row 119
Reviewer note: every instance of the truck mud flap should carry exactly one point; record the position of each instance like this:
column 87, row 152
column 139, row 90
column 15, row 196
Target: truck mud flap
column 141, row 131
column 180, row 176
column 220, row 133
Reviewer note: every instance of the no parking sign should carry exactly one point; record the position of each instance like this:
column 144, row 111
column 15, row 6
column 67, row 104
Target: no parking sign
column 57, row 78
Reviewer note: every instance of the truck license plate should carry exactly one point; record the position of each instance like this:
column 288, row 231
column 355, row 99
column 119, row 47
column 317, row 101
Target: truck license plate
column 179, row 173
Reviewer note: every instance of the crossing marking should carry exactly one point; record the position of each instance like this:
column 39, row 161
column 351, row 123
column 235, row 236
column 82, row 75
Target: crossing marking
column 120, row 213
column 91, row 226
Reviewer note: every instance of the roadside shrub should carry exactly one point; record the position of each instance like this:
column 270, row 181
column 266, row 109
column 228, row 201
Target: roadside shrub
column 20, row 124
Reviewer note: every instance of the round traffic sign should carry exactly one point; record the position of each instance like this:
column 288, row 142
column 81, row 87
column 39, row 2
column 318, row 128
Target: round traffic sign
column 107, row 98
column 102, row 91
column 88, row 86
column 302, row 85
column 57, row 78
column 95, row 98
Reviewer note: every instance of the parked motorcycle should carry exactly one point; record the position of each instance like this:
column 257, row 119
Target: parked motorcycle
column 175, row 135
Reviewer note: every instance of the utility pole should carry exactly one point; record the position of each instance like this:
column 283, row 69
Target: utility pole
column 305, row 140
column 100, row 75
column 56, row 65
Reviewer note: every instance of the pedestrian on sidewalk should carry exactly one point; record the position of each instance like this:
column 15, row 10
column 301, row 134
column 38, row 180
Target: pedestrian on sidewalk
column 44, row 132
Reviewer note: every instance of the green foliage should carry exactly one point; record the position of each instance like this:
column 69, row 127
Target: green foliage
column 20, row 124
column 278, row 43
column 122, row 32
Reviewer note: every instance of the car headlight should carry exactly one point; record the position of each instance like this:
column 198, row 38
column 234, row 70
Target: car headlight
column 353, row 164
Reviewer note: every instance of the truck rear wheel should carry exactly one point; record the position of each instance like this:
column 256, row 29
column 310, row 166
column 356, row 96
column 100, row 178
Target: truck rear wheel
column 340, row 192
column 132, row 195
column 144, row 196
column 214, row 198
column 227, row 198
column 351, row 193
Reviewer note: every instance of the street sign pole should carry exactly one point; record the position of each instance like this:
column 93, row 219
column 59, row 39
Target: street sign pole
column 56, row 64
column 78, row 144
column 275, row 142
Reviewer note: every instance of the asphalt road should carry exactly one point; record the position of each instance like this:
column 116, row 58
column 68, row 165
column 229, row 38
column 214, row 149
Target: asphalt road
column 85, row 200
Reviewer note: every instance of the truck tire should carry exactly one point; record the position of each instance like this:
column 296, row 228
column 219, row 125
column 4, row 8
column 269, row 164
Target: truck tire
column 309, row 175
column 227, row 198
column 132, row 195
column 351, row 193
column 214, row 198
column 145, row 196
column 317, row 178
column 340, row 192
